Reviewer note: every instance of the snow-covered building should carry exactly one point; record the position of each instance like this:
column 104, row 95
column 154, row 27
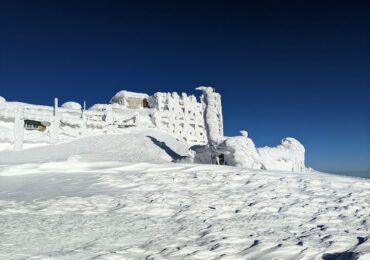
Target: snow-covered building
column 178, row 115
column 197, row 123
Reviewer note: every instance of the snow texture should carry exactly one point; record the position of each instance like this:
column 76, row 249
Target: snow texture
column 83, row 201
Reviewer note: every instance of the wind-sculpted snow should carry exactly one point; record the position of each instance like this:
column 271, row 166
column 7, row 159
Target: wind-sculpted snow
column 72, row 105
column 135, row 146
column 114, row 210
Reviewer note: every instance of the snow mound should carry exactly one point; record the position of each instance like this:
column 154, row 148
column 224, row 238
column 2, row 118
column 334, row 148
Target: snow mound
column 72, row 105
column 136, row 146
column 2, row 100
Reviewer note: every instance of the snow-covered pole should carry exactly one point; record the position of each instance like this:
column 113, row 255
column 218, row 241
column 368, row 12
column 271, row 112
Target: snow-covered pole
column 55, row 111
column 83, row 121
column 212, row 118
column 54, row 126
column 83, row 109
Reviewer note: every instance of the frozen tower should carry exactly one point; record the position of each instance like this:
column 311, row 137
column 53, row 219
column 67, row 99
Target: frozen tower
column 212, row 115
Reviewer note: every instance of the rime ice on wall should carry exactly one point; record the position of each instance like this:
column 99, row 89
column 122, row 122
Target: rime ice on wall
column 181, row 116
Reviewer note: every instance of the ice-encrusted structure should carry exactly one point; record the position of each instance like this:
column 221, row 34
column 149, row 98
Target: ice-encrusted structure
column 241, row 151
column 212, row 114
column 197, row 123
column 178, row 115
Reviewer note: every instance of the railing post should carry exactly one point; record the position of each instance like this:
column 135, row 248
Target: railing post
column 55, row 107
column 54, row 124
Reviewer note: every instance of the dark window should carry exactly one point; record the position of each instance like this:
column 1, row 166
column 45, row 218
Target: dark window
column 145, row 103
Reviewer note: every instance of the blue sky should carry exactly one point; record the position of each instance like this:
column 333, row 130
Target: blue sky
column 284, row 68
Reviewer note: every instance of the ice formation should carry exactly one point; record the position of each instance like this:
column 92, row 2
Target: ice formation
column 199, row 124
column 288, row 156
column 241, row 151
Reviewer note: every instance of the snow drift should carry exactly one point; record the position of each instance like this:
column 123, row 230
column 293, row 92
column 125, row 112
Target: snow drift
column 133, row 146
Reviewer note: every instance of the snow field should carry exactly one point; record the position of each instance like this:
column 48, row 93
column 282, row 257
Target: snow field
column 78, row 209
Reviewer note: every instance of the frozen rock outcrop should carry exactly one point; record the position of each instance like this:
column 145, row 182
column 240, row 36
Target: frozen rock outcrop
column 72, row 105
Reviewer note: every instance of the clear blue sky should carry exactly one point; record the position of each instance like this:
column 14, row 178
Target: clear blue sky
column 284, row 68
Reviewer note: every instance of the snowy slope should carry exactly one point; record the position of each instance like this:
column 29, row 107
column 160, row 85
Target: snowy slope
column 135, row 146
column 81, row 200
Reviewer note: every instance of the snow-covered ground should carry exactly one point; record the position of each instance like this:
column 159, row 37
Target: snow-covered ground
column 120, row 197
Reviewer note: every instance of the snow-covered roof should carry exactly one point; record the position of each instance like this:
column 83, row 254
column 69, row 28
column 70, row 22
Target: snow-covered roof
column 71, row 105
column 120, row 96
